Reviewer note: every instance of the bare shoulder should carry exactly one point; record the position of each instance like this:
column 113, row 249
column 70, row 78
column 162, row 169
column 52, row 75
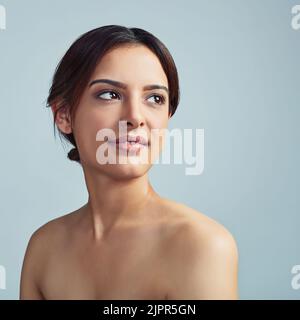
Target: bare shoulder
column 193, row 225
column 41, row 245
column 51, row 231
column 203, row 254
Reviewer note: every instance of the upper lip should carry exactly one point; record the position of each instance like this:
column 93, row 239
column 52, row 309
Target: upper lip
column 139, row 139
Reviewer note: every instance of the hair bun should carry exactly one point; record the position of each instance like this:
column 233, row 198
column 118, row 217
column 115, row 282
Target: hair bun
column 73, row 154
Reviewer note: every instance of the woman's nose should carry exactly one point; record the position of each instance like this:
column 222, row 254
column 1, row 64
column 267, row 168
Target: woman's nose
column 133, row 114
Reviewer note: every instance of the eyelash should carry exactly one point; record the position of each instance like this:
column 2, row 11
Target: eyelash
column 163, row 99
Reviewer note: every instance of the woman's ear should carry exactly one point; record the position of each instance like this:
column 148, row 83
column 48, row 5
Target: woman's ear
column 63, row 119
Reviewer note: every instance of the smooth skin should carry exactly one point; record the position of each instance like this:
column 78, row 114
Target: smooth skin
column 127, row 242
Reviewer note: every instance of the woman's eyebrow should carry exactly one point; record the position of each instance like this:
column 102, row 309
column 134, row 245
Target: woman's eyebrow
column 124, row 86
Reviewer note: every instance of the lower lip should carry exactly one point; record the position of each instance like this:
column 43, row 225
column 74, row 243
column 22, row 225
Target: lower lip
column 130, row 146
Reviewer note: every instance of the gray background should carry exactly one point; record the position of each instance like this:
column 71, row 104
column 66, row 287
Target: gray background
column 238, row 63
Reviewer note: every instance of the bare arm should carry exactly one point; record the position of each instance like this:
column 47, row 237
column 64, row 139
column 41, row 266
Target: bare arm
column 29, row 287
column 208, row 266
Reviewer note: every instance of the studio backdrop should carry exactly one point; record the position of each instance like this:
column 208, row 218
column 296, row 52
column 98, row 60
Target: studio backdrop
column 238, row 64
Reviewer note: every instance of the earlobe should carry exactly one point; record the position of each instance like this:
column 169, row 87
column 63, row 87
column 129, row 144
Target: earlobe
column 63, row 119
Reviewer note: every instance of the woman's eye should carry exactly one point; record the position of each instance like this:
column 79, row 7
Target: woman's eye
column 108, row 94
column 160, row 99
column 105, row 95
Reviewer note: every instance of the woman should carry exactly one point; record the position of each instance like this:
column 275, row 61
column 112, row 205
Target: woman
column 126, row 242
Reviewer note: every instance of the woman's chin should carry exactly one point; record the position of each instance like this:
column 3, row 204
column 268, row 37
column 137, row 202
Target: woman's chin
column 126, row 171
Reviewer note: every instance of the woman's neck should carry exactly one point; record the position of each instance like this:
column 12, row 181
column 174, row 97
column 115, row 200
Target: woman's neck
column 113, row 203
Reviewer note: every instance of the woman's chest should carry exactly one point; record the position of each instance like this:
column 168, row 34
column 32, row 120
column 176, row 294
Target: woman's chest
column 123, row 271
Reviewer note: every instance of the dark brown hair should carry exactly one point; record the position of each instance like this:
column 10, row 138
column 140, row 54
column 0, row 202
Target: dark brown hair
column 77, row 65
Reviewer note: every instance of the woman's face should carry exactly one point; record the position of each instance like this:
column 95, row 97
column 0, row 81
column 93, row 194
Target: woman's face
column 103, row 105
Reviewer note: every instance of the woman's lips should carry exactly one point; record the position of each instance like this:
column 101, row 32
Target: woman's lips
column 133, row 138
column 129, row 146
column 130, row 142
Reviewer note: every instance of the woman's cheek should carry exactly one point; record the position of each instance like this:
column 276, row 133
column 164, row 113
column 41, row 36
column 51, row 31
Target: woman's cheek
column 85, row 136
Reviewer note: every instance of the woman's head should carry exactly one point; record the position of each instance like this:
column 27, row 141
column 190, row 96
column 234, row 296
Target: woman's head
column 82, row 104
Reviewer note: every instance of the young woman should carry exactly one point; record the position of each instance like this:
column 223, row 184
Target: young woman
column 126, row 242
